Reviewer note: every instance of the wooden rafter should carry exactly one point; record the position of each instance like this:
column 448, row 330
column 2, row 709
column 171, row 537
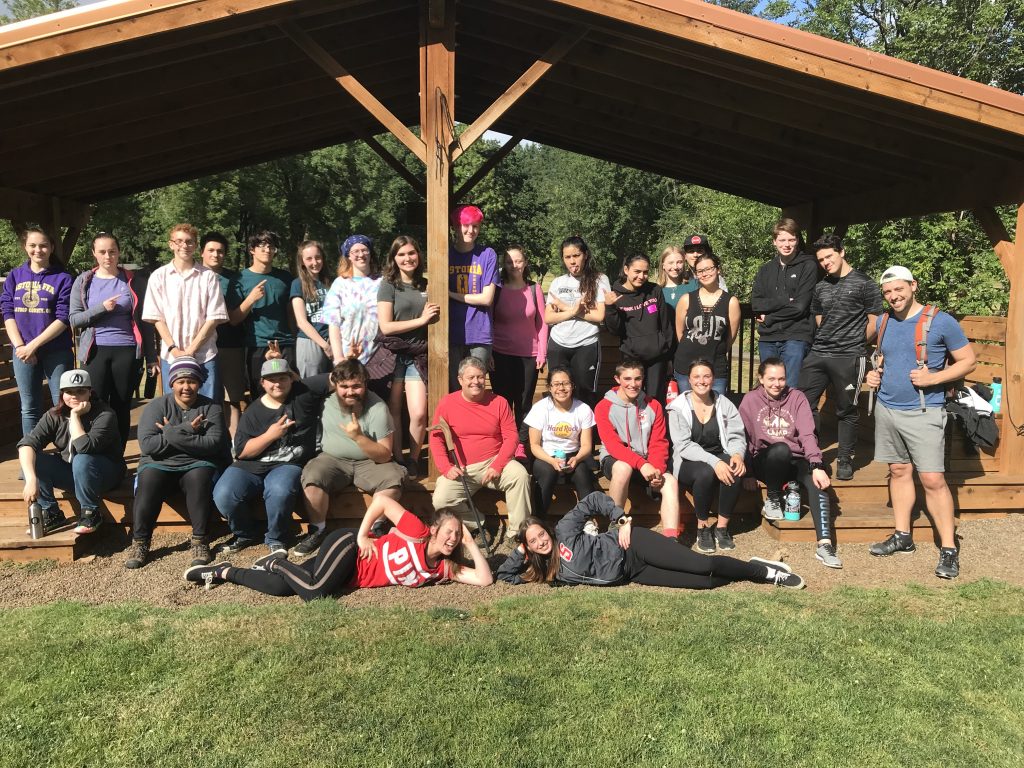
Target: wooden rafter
column 18, row 205
column 397, row 166
column 489, row 164
column 356, row 90
column 517, row 90
column 997, row 236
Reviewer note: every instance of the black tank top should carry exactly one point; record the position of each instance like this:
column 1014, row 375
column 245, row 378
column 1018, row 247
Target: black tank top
column 705, row 335
column 707, row 436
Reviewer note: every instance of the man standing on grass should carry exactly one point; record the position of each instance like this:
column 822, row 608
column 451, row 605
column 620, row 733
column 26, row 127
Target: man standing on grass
column 485, row 436
column 846, row 306
column 357, row 431
column 184, row 302
column 781, row 300
column 910, row 422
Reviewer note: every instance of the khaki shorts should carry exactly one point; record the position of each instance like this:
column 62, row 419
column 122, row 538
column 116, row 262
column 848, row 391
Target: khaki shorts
column 231, row 364
column 333, row 474
column 911, row 437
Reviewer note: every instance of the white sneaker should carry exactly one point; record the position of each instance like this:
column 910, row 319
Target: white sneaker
column 772, row 509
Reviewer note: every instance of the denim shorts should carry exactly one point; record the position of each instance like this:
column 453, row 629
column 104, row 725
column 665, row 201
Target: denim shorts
column 405, row 369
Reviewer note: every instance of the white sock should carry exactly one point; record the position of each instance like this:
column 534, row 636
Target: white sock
column 318, row 526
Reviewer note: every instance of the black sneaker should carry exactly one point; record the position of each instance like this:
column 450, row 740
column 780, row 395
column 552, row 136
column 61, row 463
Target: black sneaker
column 206, row 574
column 705, row 540
column 137, row 555
column 894, row 545
column 383, row 525
column 53, row 518
column 88, row 521
column 236, row 544
column 724, row 539
column 264, row 563
column 200, row 551
column 784, row 576
column 844, row 469
column 949, row 564
column 311, row 542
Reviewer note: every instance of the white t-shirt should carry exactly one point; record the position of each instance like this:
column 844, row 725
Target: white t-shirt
column 575, row 332
column 560, row 430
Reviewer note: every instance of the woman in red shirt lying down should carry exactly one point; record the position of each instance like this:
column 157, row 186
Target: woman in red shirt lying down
column 409, row 555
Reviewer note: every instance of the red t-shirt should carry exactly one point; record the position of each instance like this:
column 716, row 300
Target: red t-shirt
column 480, row 431
column 401, row 558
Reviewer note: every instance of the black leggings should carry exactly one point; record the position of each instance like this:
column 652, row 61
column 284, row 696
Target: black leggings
column 584, row 363
column 656, row 380
column 582, row 480
column 658, row 561
column 515, row 379
column 331, row 570
column 154, row 485
column 776, row 465
column 115, row 375
column 702, row 479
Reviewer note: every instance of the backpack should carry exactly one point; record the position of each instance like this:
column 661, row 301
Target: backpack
column 924, row 324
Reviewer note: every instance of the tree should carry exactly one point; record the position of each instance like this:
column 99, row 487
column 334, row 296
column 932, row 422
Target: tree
column 20, row 10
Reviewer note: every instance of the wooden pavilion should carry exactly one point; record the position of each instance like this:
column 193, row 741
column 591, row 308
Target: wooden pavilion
column 127, row 95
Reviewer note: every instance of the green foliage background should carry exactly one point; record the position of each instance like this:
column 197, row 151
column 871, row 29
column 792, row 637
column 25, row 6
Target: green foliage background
column 539, row 195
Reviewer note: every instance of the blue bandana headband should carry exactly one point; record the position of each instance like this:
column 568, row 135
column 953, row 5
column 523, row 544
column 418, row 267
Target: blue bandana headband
column 353, row 241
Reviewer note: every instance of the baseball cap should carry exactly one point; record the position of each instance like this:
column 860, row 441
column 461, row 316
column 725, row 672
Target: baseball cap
column 76, row 377
column 274, row 367
column 695, row 241
column 896, row 272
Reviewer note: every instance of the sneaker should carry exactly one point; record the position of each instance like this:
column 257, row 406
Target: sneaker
column 776, row 564
column 827, row 554
column 705, row 540
column 200, row 551
column 88, row 521
column 949, row 564
column 895, row 544
column 263, row 563
column 784, row 576
column 772, row 509
column 53, row 518
column 724, row 539
column 278, row 550
column 236, row 544
column 310, row 543
column 206, row 574
column 137, row 555
column 844, row 469
column 412, row 469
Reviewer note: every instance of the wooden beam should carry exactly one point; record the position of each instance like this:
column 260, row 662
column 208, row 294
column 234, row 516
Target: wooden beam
column 397, row 166
column 436, row 13
column 997, row 235
column 76, row 224
column 356, row 90
column 1011, row 451
column 489, row 164
column 437, row 99
column 18, row 205
column 516, row 91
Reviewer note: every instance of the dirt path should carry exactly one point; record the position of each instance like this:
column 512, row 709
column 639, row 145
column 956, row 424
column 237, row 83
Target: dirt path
column 990, row 549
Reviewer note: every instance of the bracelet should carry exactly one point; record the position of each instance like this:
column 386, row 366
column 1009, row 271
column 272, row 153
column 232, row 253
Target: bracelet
column 817, row 465
column 625, row 520
column 171, row 346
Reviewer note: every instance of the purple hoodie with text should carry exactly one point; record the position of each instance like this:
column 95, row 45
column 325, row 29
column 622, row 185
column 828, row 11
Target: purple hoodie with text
column 786, row 420
column 35, row 299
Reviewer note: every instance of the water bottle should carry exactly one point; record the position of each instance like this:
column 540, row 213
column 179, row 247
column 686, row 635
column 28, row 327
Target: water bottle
column 561, row 457
column 792, row 509
column 997, row 394
column 672, row 392
column 35, row 520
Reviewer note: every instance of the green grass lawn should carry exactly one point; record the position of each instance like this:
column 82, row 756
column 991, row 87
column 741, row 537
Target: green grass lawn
column 912, row 677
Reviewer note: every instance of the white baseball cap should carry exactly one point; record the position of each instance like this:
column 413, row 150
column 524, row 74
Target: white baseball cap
column 75, row 378
column 896, row 272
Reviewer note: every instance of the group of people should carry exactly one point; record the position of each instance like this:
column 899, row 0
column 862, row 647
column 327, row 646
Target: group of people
column 331, row 368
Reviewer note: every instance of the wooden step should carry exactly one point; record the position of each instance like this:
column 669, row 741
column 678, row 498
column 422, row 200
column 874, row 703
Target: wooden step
column 15, row 544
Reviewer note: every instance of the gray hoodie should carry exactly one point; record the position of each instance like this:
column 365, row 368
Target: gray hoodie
column 680, row 426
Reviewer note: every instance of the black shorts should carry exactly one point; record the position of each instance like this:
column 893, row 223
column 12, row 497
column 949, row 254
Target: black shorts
column 606, row 469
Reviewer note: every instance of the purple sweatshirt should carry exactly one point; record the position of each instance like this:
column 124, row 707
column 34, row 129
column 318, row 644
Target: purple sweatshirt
column 34, row 300
column 786, row 420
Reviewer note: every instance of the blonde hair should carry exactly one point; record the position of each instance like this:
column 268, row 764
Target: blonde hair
column 669, row 251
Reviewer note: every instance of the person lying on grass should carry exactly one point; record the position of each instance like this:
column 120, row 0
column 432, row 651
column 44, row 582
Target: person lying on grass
column 410, row 555
column 625, row 555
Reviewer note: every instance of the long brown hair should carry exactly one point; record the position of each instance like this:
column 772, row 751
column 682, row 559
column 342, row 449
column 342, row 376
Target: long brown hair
column 588, row 273
column 392, row 274
column 308, row 280
column 539, row 568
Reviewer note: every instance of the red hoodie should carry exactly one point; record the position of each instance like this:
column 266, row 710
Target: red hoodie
column 632, row 432
column 786, row 420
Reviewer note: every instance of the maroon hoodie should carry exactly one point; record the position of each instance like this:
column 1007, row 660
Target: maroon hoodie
column 786, row 420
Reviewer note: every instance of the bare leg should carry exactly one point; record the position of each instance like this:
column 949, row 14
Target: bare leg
column 940, row 505
column 903, row 494
column 317, row 501
column 670, row 503
column 621, row 474
column 416, row 399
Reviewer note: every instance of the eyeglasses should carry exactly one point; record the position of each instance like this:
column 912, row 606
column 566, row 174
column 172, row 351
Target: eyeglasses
column 184, row 243
column 268, row 246
column 706, row 271
column 561, row 385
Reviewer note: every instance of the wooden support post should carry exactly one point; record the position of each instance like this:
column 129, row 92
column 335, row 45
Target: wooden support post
column 397, row 166
column 76, row 224
column 437, row 99
column 1012, row 449
column 355, row 89
column 517, row 90
column 997, row 236
column 489, row 164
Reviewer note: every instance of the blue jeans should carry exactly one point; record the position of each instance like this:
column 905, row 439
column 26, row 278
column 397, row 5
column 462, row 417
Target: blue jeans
column 720, row 386
column 237, row 489
column 792, row 353
column 29, row 376
column 89, row 475
column 211, row 388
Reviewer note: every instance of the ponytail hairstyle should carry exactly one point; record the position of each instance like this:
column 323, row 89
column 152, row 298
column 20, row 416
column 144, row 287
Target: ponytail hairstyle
column 539, row 568
column 307, row 279
column 588, row 274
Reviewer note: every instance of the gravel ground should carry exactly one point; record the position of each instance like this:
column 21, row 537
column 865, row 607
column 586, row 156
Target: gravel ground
column 991, row 549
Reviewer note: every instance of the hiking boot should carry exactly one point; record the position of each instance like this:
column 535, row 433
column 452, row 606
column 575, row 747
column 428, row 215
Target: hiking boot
column 236, row 544
column 200, row 551
column 783, row 577
column 706, row 541
column 311, row 542
column 53, row 518
column 207, row 575
column 844, row 469
column 88, row 521
column 137, row 555
column 826, row 552
column 772, row 509
column 949, row 564
column 894, row 545
column 724, row 539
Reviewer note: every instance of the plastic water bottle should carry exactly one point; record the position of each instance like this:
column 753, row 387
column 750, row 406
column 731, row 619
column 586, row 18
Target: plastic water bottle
column 35, row 520
column 672, row 392
column 792, row 509
column 997, row 394
column 561, row 456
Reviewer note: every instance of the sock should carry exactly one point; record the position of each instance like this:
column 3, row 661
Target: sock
column 317, row 526
column 771, row 573
column 670, row 533
column 903, row 534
